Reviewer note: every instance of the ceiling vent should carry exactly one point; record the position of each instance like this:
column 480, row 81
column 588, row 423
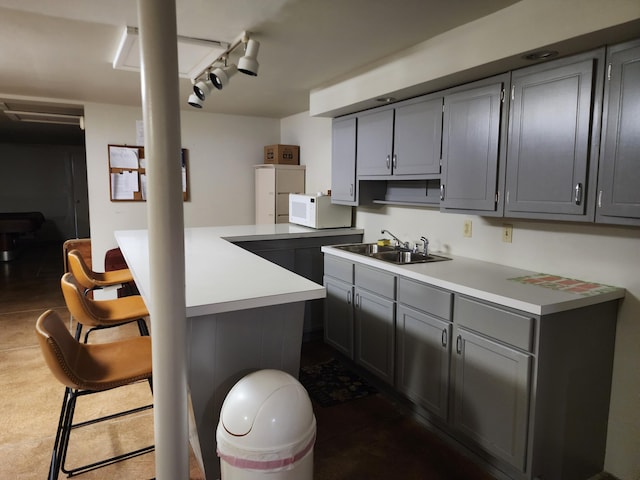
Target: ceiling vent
column 38, row 112
column 194, row 54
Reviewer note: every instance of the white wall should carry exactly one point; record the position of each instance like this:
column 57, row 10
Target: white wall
column 314, row 137
column 222, row 150
column 603, row 254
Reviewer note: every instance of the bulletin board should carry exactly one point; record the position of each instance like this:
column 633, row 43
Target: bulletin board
column 128, row 177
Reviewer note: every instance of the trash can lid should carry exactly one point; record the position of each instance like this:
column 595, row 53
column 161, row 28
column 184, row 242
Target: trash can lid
column 268, row 408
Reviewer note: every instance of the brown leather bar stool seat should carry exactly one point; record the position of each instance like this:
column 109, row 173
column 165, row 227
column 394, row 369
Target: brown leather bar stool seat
column 86, row 369
column 98, row 314
column 90, row 279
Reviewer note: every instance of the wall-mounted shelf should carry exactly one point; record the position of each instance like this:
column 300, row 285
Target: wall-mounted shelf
column 422, row 193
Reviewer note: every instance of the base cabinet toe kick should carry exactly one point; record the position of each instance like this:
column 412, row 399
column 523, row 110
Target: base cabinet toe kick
column 526, row 393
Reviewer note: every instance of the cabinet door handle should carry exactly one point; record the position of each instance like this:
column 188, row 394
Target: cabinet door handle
column 444, row 337
column 349, row 298
column 578, row 193
column 600, row 199
column 388, row 162
column 357, row 304
column 351, row 189
column 395, row 161
column 459, row 344
column 441, row 191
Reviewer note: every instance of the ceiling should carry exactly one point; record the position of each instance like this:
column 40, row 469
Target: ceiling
column 63, row 50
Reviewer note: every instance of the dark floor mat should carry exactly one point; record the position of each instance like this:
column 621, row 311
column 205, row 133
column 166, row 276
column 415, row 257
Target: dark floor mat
column 331, row 382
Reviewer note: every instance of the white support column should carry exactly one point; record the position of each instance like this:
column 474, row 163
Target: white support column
column 161, row 113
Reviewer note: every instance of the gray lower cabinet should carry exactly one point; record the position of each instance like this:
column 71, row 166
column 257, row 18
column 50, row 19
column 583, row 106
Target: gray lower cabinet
column 472, row 147
column 338, row 311
column 304, row 257
column 338, row 306
column 375, row 321
column 491, row 378
column 423, row 359
column 619, row 174
column 552, row 162
column 491, row 391
column 423, row 344
column 527, row 393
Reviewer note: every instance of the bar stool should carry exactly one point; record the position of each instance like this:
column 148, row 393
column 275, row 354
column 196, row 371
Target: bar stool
column 90, row 279
column 99, row 314
column 85, row 369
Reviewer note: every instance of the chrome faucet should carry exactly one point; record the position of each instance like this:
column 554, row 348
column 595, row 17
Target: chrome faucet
column 399, row 243
column 425, row 246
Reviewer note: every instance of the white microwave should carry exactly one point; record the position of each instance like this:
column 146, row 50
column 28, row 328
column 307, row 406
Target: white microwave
column 317, row 211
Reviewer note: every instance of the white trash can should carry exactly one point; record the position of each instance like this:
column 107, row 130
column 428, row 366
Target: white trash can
column 267, row 429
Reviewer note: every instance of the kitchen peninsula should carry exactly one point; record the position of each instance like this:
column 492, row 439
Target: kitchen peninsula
column 244, row 312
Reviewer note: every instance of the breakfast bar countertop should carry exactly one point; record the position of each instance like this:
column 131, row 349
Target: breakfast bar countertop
column 222, row 277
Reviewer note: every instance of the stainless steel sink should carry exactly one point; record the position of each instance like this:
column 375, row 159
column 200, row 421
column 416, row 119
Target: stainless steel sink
column 391, row 254
column 366, row 248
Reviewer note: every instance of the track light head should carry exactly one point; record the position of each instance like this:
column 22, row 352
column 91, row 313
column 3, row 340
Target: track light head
column 249, row 63
column 203, row 87
column 220, row 76
column 195, row 101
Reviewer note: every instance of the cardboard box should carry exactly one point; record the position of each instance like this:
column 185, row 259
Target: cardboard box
column 282, row 154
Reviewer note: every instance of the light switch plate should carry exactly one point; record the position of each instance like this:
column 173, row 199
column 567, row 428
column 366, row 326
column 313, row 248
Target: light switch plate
column 507, row 233
column 466, row 229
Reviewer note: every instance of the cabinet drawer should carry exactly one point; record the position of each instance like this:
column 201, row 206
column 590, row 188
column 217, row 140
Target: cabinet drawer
column 338, row 268
column 376, row 281
column 424, row 297
column 508, row 327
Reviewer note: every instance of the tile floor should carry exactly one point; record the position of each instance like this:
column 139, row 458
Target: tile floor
column 370, row 438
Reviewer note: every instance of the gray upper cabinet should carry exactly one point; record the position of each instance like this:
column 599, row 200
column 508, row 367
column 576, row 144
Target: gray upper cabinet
column 401, row 141
column 619, row 174
column 553, row 138
column 375, row 142
column 343, row 161
column 416, row 139
column 471, row 147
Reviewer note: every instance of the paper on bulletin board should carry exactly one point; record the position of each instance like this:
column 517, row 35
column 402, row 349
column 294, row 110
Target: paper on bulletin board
column 124, row 185
column 123, row 157
column 143, row 186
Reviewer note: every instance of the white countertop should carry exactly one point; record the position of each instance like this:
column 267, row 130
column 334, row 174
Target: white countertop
column 487, row 281
column 222, row 277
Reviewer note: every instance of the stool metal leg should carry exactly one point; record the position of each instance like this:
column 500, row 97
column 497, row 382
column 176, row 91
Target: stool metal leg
column 63, row 435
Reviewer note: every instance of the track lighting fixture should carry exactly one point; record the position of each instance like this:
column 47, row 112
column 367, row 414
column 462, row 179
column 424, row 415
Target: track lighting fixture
column 203, row 87
column 217, row 74
column 249, row 63
column 220, row 76
column 195, row 101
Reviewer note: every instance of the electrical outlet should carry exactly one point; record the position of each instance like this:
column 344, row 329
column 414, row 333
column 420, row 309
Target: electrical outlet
column 466, row 229
column 507, row 233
